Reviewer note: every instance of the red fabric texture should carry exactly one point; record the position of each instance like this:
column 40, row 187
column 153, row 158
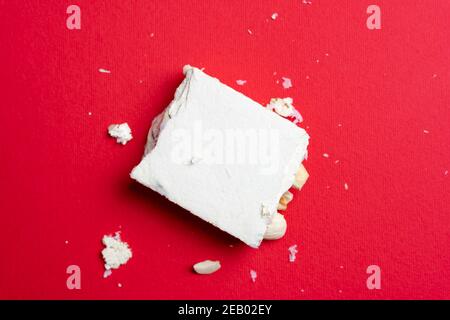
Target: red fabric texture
column 376, row 100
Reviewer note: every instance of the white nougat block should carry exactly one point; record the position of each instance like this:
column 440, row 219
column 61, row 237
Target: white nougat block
column 222, row 156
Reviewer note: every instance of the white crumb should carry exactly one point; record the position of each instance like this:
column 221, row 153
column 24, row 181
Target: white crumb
column 340, row 291
column 249, row 31
column 434, row 75
column 297, row 119
column 285, row 108
column 445, row 172
column 274, row 73
column 306, row 2
column 107, row 273
column 302, row 290
column 307, row 77
column 115, row 254
column 121, row 132
column 253, row 275
column 282, row 106
column 336, row 162
column 292, row 252
column 327, row 54
column 101, row 70
column 152, row 35
column 274, row 16
column 89, row 113
column 66, row 242
column 342, row 267
column 346, row 186
column 287, row 83
column 119, row 285
column 426, row 131
column 326, row 155
column 339, row 125
column 317, row 61
column 241, row 82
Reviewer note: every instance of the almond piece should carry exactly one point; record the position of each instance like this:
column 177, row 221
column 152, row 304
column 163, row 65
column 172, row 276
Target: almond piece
column 277, row 228
column 300, row 177
column 207, row 267
column 281, row 207
column 286, row 198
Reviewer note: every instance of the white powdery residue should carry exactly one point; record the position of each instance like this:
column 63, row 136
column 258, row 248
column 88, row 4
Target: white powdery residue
column 101, row 70
column 345, row 186
column 115, row 254
column 287, row 83
column 426, row 131
column 121, row 132
column 274, row 16
column 292, row 253
column 253, row 275
column 241, row 82
column 326, row 155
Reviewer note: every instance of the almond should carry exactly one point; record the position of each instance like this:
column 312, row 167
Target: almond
column 207, row 267
column 300, row 177
column 277, row 228
column 286, row 198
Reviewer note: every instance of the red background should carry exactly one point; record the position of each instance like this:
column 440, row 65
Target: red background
column 62, row 178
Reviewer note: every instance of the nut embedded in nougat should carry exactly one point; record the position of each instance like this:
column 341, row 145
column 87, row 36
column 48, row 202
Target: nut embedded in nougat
column 277, row 228
column 300, row 177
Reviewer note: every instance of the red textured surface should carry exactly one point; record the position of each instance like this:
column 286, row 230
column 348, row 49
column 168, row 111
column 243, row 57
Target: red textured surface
column 62, row 178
